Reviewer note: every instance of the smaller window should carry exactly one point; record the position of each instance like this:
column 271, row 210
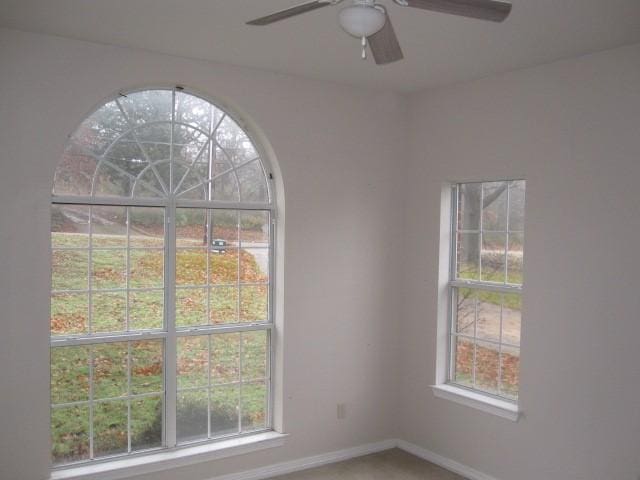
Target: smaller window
column 485, row 287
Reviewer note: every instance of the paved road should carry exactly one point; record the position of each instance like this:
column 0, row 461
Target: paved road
column 260, row 253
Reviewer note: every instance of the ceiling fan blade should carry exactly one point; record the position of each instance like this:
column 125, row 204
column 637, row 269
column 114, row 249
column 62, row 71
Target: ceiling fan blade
column 384, row 45
column 290, row 12
column 491, row 10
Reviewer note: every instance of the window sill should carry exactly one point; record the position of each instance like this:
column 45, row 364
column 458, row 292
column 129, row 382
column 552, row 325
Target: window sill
column 495, row 406
column 153, row 462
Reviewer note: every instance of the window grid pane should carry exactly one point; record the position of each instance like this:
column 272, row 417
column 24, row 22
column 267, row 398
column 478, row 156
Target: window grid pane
column 228, row 281
column 93, row 289
column 485, row 321
column 486, row 346
column 227, row 376
column 104, row 381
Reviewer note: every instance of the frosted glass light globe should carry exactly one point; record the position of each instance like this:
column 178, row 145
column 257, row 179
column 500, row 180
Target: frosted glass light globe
column 361, row 20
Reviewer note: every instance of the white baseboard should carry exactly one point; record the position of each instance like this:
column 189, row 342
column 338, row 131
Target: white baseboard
column 444, row 462
column 348, row 453
column 309, row 462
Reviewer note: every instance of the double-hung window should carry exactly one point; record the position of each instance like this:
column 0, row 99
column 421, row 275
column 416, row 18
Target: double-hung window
column 485, row 287
column 161, row 315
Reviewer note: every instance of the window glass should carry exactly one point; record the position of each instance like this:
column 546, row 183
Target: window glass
column 486, row 288
column 160, row 224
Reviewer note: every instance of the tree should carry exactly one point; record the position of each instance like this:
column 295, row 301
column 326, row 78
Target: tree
column 472, row 204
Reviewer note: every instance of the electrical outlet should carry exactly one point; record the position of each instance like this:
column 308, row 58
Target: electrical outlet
column 341, row 411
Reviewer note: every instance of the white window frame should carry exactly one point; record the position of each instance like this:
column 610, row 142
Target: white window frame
column 445, row 387
column 171, row 453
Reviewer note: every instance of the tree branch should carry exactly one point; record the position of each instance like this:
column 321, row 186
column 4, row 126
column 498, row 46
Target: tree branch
column 492, row 197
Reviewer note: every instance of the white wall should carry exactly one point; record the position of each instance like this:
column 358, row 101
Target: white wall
column 572, row 129
column 337, row 149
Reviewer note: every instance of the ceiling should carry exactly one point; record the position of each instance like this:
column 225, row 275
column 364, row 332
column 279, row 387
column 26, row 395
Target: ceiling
column 439, row 49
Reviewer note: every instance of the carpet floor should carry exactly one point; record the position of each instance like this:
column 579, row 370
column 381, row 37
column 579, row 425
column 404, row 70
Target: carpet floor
column 392, row 464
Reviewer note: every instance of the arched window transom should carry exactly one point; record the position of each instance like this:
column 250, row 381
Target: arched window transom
column 158, row 144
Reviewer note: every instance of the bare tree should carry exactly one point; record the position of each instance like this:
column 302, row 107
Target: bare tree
column 473, row 197
column 471, row 216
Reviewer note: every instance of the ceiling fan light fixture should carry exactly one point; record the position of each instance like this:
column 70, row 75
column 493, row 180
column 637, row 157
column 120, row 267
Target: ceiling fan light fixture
column 361, row 20
column 369, row 22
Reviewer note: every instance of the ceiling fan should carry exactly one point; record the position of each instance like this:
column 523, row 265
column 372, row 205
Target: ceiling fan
column 370, row 21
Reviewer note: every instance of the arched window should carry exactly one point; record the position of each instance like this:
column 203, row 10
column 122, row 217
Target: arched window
column 161, row 236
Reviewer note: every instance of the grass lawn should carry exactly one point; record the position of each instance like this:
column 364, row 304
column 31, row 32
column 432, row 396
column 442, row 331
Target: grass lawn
column 493, row 270
column 126, row 378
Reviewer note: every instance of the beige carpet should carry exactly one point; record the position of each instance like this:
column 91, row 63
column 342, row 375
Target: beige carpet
column 387, row 465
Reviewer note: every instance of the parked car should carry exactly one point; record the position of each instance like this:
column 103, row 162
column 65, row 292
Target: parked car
column 218, row 245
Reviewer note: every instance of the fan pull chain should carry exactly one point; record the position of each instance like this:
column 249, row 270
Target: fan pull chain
column 364, row 48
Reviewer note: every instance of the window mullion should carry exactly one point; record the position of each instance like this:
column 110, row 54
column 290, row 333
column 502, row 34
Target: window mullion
column 475, row 340
column 129, row 393
column 506, row 246
column 209, row 220
column 107, row 201
column 171, row 347
column 223, row 328
column 271, row 318
column 91, row 441
column 453, row 292
column 105, row 339
column 170, row 350
column 481, row 236
column 239, row 306
column 500, row 346
column 90, row 330
column 128, row 270
column 89, row 270
column 486, row 286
